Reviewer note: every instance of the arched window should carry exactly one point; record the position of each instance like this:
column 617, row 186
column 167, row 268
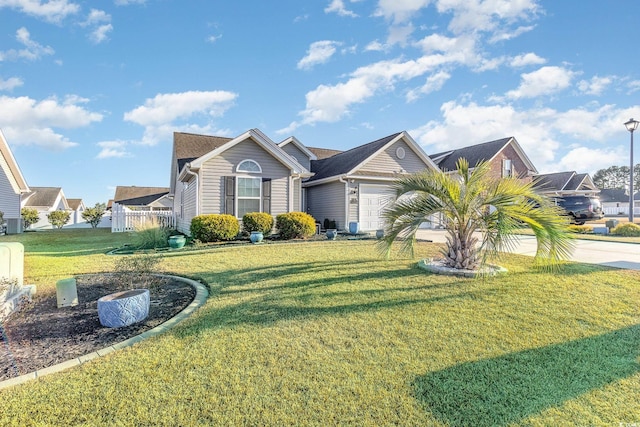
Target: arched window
column 249, row 166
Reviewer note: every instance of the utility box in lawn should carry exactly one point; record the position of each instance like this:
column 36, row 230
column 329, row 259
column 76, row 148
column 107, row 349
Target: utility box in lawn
column 13, row 291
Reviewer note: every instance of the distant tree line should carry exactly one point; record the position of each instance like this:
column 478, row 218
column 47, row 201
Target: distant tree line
column 617, row 177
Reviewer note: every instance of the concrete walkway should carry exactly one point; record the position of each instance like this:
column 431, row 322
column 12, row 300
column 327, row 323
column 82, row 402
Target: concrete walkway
column 611, row 254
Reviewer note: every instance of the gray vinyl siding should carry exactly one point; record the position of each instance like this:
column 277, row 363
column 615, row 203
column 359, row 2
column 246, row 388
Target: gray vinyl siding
column 301, row 157
column 9, row 200
column 189, row 207
column 297, row 197
column 387, row 161
column 327, row 201
column 214, row 170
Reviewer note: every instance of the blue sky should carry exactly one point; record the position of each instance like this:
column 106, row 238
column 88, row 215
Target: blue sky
column 91, row 92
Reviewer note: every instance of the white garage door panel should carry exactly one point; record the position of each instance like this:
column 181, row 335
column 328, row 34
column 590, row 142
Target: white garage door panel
column 373, row 200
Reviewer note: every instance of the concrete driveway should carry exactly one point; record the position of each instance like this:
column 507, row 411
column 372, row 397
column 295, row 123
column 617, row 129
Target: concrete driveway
column 611, row 254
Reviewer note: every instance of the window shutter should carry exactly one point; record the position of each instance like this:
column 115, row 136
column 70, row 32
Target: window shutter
column 266, row 195
column 229, row 195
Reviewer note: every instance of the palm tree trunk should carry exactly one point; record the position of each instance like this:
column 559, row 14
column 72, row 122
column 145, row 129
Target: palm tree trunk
column 461, row 251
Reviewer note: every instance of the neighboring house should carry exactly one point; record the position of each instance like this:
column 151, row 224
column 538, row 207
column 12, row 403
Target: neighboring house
column 12, row 187
column 77, row 207
column 565, row 184
column 506, row 157
column 249, row 173
column 135, row 198
column 616, row 201
column 45, row 200
column 354, row 185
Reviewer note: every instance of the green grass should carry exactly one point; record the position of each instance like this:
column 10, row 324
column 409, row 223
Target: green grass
column 327, row 333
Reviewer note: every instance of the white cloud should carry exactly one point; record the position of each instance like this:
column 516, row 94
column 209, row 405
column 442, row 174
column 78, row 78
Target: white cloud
column 111, row 149
column 52, row 11
column 128, row 2
column 10, row 83
column 509, row 34
column 318, row 53
column 158, row 114
column 337, row 6
column 100, row 23
column 488, row 15
column 584, row 159
column 595, row 86
column 330, row 103
column 433, row 84
column 545, row 81
column 400, row 11
column 32, row 49
column 526, row 59
column 213, row 39
column 375, row 46
column 29, row 122
column 634, row 86
column 100, row 34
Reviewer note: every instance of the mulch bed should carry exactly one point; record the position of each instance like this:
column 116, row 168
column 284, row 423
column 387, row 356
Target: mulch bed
column 41, row 334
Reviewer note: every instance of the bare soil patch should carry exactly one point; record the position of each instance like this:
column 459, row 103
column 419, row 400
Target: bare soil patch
column 41, row 334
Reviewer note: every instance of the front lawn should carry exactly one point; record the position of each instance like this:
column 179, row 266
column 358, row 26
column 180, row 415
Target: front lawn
column 328, row 333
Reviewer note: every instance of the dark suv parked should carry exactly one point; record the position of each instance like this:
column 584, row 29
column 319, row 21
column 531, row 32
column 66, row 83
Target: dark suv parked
column 581, row 208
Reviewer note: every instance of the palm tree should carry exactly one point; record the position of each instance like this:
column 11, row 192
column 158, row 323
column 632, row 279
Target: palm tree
column 472, row 201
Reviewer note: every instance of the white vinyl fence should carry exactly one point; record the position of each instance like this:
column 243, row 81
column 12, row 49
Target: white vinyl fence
column 123, row 219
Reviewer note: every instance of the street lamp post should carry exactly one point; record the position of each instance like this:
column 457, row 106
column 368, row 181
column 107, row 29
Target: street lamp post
column 631, row 125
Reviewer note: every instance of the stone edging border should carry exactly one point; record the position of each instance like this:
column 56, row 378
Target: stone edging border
column 433, row 266
column 200, row 298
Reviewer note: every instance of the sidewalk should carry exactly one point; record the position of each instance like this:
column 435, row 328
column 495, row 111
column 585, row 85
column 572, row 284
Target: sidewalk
column 611, row 254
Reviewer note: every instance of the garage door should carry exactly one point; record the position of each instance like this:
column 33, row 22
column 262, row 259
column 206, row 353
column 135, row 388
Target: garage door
column 373, row 200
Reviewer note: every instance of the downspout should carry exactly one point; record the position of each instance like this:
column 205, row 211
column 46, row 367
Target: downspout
column 188, row 171
column 346, row 201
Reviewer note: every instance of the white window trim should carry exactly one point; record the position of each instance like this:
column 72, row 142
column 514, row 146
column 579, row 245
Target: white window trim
column 237, row 197
column 507, row 173
column 248, row 171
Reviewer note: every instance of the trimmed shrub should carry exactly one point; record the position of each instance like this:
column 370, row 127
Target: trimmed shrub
column 627, row 230
column 29, row 216
column 580, row 229
column 257, row 221
column 295, row 225
column 59, row 218
column 214, row 227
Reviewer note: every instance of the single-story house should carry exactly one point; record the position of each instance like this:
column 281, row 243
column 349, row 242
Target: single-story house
column 616, row 201
column 249, row 173
column 77, row 207
column 45, row 200
column 12, row 187
column 135, row 198
column 506, row 157
column 354, row 185
column 569, row 183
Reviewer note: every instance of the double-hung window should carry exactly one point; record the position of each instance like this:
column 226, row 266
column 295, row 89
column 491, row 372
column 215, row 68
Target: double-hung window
column 507, row 170
column 248, row 195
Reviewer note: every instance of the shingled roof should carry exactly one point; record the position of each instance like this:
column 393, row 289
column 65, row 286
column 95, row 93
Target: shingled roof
column 615, row 195
column 474, row 154
column 345, row 161
column 138, row 196
column 553, row 181
column 188, row 146
column 42, row 197
column 323, row 153
column 74, row 204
